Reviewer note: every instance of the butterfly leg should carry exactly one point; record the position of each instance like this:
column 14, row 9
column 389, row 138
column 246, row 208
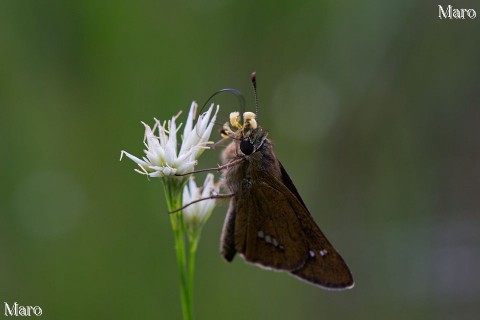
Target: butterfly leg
column 215, row 196
column 219, row 168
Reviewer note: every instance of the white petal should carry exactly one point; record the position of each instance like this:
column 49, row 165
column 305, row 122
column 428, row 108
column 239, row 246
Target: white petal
column 190, row 136
column 206, row 134
column 191, row 117
column 142, row 163
column 189, row 155
column 156, row 174
column 155, row 152
column 162, row 134
column 208, row 186
column 203, row 120
column 172, row 136
column 186, row 167
column 191, row 191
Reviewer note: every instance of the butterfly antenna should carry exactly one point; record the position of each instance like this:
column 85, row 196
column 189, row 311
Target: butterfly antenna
column 237, row 93
column 254, row 84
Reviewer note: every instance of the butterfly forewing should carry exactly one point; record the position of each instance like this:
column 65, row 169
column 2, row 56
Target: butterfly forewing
column 268, row 232
column 281, row 234
column 324, row 266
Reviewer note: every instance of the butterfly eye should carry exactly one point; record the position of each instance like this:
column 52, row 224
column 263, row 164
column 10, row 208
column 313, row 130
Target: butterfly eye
column 246, row 146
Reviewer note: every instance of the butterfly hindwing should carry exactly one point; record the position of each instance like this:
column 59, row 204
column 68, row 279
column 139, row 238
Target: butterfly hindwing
column 227, row 243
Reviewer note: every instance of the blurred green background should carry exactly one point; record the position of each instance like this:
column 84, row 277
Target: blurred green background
column 373, row 107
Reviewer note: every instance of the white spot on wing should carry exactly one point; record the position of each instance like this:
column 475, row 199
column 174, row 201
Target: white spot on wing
column 312, row 254
column 323, row 252
column 260, row 234
column 268, row 239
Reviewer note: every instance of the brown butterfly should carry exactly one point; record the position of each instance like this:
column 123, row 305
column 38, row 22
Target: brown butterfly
column 267, row 222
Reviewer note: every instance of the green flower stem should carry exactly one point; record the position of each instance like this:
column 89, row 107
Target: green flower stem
column 193, row 241
column 173, row 194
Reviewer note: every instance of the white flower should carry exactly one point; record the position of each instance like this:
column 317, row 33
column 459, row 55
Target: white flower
column 197, row 213
column 161, row 154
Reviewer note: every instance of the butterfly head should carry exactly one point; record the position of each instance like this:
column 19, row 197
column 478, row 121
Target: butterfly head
column 249, row 134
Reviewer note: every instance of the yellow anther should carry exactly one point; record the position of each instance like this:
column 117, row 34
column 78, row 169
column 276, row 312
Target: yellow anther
column 226, row 132
column 249, row 120
column 248, row 115
column 234, row 117
column 252, row 123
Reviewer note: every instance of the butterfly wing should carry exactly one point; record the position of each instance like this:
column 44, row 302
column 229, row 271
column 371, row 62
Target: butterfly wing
column 272, row 227
column 227, row 246
column 324, row 265
column 267, row 230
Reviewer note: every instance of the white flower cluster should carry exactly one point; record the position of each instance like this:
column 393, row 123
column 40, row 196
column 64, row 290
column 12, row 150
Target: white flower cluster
column 161, row 158
column 197, row 213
